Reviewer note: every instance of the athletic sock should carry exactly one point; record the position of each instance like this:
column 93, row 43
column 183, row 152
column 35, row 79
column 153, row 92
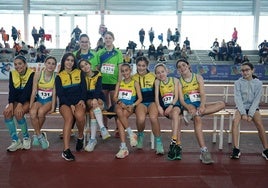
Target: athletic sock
column 99, row 117
column 93, row 128
column 10, row 124
column 24, row 127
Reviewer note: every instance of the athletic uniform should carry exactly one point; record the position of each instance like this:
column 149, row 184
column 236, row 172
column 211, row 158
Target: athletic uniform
column 167, row 92
column 20, row 86
column 70, row 87
column 147, row 87
column 91, row 56
column 127, row 92
column 109, row 62
column 45, row 88
column 94, row 86
column 190, row 90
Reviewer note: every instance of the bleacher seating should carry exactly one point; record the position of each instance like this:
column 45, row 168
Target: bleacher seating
column 196, row 57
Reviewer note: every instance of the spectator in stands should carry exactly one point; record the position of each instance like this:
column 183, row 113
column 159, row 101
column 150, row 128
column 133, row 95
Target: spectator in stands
column 247, row 96
column 235, row 35
column 43, row 100
column 42, row 54
column 188, row 46
column 169, row 36
column 95, row 103
column 110, row 60
column 72, row 46
column 41, row 33
column 161, row 38
column 214, row 51
column 238, row 59
column 238, row 55
column 230, row 50
column 33, row 56
column 177, row 52
column 72, row 96
column 85, row 52
column 223, row 43
column 14, row 33
column 35, row 37
column 160, row 50
column 151, row 35
column 167, row 102
column 222, row 55
column 139, row 53
column 245, row 59
column 162, row 59
column 76, row 32
column 193, row 99
column 176, row 37
column 152, row 52
column 141, row 36
column 127, row 96
column 20, row 88
column 184, row 52
column 146, row 80
column 100, row 44
column 263, row 51
column 17, row 47
column 215, row 43
column 131, row 47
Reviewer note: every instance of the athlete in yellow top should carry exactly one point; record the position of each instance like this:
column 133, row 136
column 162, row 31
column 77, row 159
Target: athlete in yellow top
column 146, row 80
column 20, row 88
column 193, row 99
column 167, row 101
column 43, row 100
column 127, row 96
column 95, row 103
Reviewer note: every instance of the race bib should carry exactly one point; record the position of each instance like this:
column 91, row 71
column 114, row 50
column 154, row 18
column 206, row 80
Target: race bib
column 125, row 94
column 44, row 94
column 194, row 96
column 167, row 98
column 107, row 68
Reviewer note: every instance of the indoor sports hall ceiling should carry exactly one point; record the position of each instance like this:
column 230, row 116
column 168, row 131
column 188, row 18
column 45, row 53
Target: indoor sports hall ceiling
column 125, row 7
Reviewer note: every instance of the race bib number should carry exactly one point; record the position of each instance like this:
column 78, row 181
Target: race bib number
column 167, row 98
column 44, row 94
column 194, row 96
column 125, row 94
column 107, row 68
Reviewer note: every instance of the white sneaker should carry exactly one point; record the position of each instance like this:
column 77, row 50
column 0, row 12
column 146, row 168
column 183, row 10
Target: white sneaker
column 133, row 140
column 123, row 152
column 15, row 145
column 187, row 117
column 205, row 157
column 91, row 145
column 26, row 143
column 104, row 133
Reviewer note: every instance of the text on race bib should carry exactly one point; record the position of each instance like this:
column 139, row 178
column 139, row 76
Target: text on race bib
column 107, row 68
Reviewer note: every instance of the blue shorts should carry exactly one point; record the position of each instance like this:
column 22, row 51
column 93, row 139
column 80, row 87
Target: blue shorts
column 147, row 104
column 43, row 101
column 195, row 104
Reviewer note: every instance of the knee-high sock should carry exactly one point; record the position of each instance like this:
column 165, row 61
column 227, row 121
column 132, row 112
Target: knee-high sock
column 10, row 124
column 99, row 117
column 93, row 128
column 24, row 127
